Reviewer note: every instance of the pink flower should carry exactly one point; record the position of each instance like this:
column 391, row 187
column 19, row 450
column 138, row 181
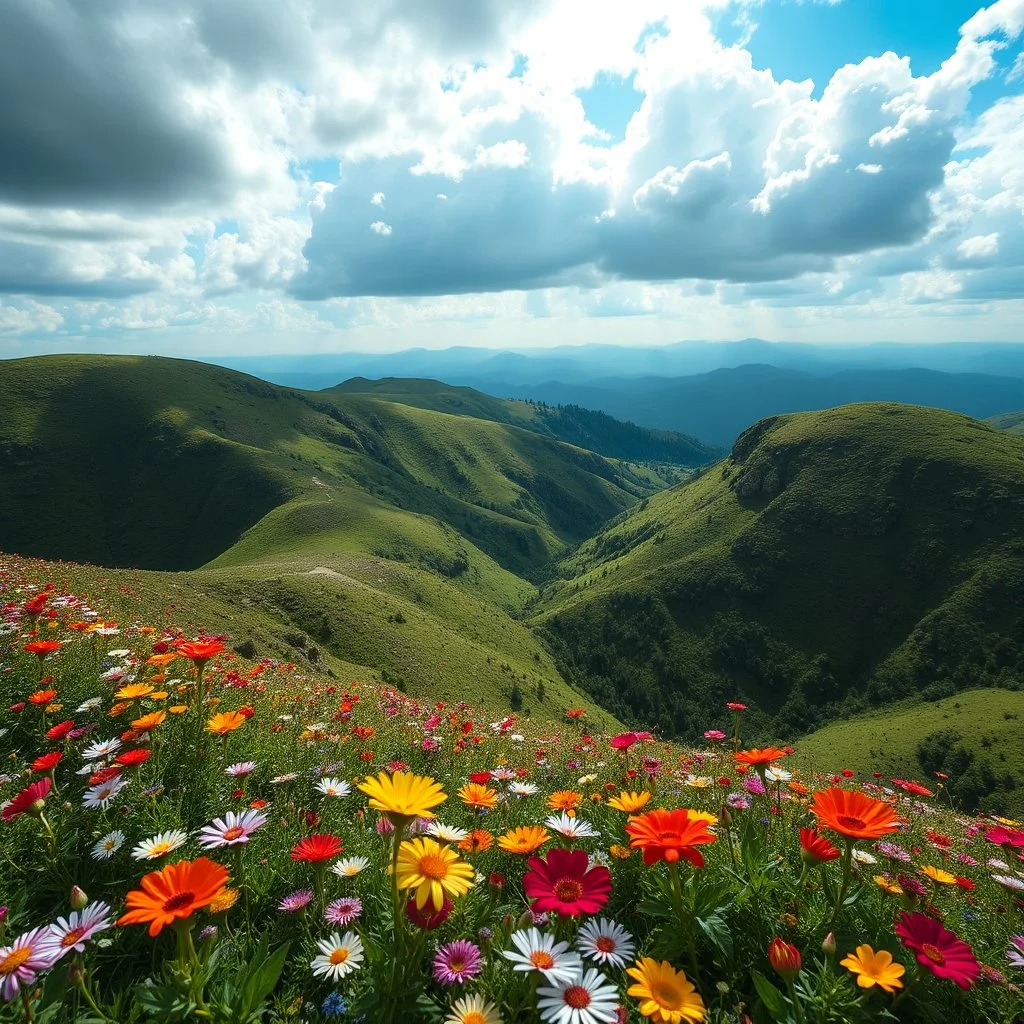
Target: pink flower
column 714, row 734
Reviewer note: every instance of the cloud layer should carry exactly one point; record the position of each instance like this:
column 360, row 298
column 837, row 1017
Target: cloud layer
column 321, row 168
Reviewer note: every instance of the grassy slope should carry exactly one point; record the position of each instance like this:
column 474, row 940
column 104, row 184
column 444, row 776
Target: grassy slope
column 592, row 430
column 1010, row 421
column 417, row 515
column 988, row 722
column 838, row 560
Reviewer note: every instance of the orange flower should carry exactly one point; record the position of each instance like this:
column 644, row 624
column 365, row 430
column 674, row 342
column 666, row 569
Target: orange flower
column 565, row 800
column 199, row 651
column 224, row 722
column 477, row 796
column 42, row 696
column 161, row 659
column 852, row 814
column 174, row 892
column 119, row 708
column 753, row 758
column 133, row 691
column 477, row 841
column 178, row 709
column 149, row 722
column 669, row 835
column 524, row 840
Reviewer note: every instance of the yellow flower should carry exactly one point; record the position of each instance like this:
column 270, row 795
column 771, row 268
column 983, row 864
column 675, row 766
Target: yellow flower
column 888, row 885
column 620, row 851
column 148, row 722
column 873, row 968
column 134, row 691
column 160, row 695
column 525, row 839
column 477, row 796
column 178, row 709
column 565, row 800
column 433, row 870
column 665, row 994
column 224, row 722
column 1008, row 822
column 118, row 708
column 939, row 876
column 403, row 796
column 224, row 901
column 52, row 709
column 629, row 802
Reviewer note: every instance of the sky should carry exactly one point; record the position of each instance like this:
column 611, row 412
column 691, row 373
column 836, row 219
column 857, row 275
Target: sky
column 226, row 177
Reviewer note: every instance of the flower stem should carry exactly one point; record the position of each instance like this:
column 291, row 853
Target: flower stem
column 847, row 859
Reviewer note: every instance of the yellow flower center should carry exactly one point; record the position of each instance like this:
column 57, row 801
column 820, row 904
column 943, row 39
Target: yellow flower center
column 433, row 866
column 338, row 956
column 474, row 1017
column 934, row 954
column 159, row 849
column 542, row 960
column 14, row 960
column 666, row 995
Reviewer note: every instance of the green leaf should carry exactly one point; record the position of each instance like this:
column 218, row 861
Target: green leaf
column 774, row 1001
column 652, row 908
column 716, row 928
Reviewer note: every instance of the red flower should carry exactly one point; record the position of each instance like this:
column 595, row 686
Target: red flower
column 41, row 648
column 426, row 917
column 31, row 798
column 480, row 777
column 848, row 773
column 132, row 757
column 564, row 882
column 199, row 651
column 575, row 713
column 34, row 605
column 1003, row 836
column 624, row 740
column 47, row 761
column 814, row 848
column 104, row 775
column 915, row 788
column 785, row 958
column 42, row 696
column 317, row 848
column 938, row 949
column 59, row 731
column 733, row 706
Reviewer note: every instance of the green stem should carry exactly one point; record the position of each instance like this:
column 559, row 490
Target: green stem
column 88, row 996
column 847, row 859
column 26, row 1005
column 797, row 1005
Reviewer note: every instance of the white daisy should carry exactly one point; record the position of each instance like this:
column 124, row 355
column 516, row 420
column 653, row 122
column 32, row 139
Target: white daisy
column 88, row 705
column 446, row 833
column 231, row 830
column 571, row 828
column 339, row 955
column 277, row 780
column 606, row 942
column 863, row 857
column 120, row 652
column 1011, row 882
column 240, row 769
column 72, row 932
column 774, row 774
column 159, row 845
column 473, row 1010
column 536, row 951
column 349, row 867
column 101, row 795
column 587, row 998
column 108, row 845
column 523, row 789
column 333, row 787
column 100, row 749
column 503, row 774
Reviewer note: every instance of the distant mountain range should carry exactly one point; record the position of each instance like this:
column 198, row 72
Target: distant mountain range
column 486, row 368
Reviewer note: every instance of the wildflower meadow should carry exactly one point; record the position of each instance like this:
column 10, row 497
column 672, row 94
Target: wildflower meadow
column 188, row 835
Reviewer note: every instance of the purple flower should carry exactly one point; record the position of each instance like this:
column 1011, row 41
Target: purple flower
column 344, row 910
column 738, row 801
column 457, row 962
column 893, row 852
column 25, row 957
column 1015, row 954
column 295, row 901
column 752, row 784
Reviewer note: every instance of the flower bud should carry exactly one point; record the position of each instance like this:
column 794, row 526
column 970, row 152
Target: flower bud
column 525, row 919
column 78, row 898
column 784, row 958
column 828, row 945
column 76, row 972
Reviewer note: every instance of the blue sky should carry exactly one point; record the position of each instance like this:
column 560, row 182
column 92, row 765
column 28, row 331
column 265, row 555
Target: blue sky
column 378, row 177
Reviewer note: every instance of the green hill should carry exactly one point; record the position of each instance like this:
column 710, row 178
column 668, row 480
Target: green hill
column 836, row 561
column 587, row 428
column 1010, row 421
column 394, row 537
column 975, row 738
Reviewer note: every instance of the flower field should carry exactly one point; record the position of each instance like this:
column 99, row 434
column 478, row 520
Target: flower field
column 191, row 836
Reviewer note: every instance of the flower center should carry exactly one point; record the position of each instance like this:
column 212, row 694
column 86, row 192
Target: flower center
column 567, row 890
column 338, row 956
column 604, row 944
column 934, row 954
column 474, row 1017
column 179, row 901
column 542, row 960
column 666, row 995
column 577, row 997
column 234, row 832
column 847, row 821
column 434, row 867
column 71, row 937
column 456, row 966
column 14, row 960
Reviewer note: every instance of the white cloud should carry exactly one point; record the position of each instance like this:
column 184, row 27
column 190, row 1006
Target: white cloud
column 979, row 247
column 379, row 227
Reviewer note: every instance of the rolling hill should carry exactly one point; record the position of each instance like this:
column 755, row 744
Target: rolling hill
column 1011, row 421
column 837, row 561
column 585, row 428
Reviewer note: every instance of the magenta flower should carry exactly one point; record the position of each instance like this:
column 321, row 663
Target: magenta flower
column 297, row 900
column 344, row 910
column 714, row 734
column 21, row 961
column 457, row 962
column 74, row 931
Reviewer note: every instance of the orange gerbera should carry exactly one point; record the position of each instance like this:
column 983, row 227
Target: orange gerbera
column 852, row 814
column 478, row 796
column 42, row 696
column 133, row 691
column 149, row 722
column 161, row 659
column 669, row 835
column 525, row 839
column 764, row 755
column 477, row 841
column 224, row 722
column 174, row 892
column 564, row 800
